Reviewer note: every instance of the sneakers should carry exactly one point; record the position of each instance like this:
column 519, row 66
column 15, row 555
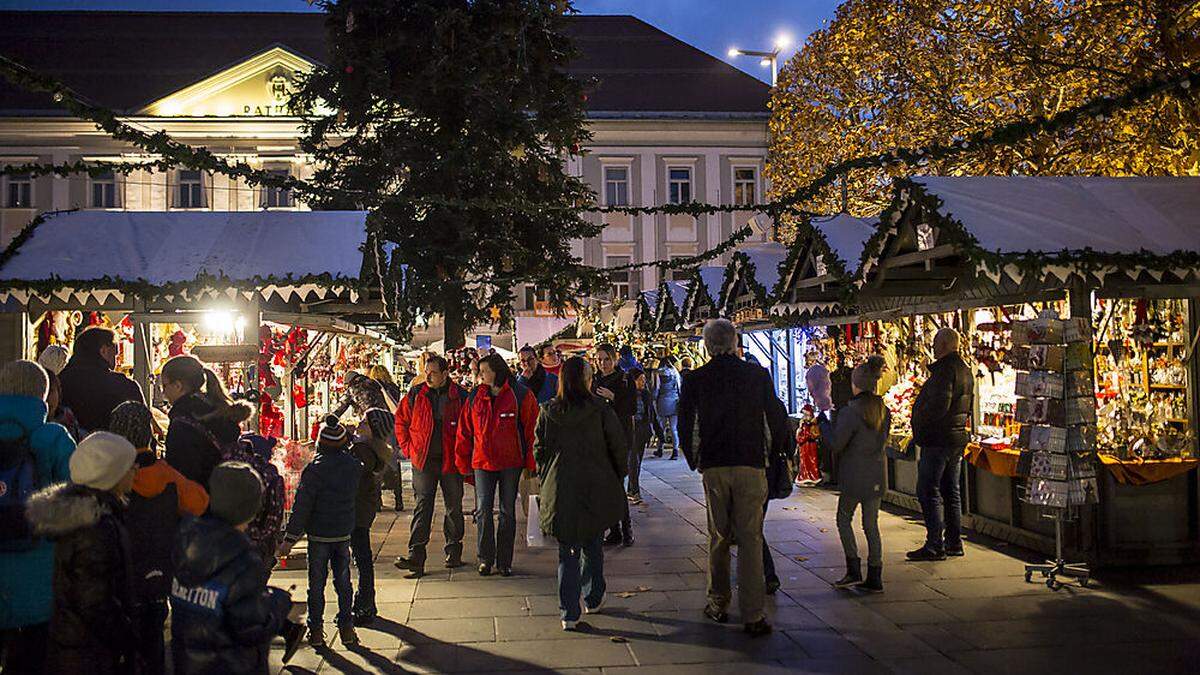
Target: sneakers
column 364, row 618
column 415, row 574
column 954, row 553
column 453, row 561
column 485, row 570
column 635, row 498
column 316, row 637
column 718, row 615
column 506, row 571
column 569, row 625
column 293, row 636
column 926, row 553
column 599, row 605
column 409, row 563
column 348, row 636
column 758, row 628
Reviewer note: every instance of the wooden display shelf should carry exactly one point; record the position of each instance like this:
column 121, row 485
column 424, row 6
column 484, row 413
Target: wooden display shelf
column 1169, row 386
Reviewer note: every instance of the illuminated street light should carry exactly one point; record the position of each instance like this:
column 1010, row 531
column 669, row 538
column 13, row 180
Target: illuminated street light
column 766, row 59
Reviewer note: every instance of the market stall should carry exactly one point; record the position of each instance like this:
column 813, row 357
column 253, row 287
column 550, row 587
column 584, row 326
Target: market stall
column 668, row 314
column 704, row 290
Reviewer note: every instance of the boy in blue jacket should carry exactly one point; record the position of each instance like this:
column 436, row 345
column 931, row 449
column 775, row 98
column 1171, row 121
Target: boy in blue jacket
column 324, row 509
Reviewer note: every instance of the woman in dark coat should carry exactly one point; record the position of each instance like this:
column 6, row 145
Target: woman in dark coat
column 92, row 626
column 204, row 422
column 580, row 451
column 857, row 442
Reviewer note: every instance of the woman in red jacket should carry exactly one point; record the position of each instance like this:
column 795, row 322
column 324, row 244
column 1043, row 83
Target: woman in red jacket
column 495, row 440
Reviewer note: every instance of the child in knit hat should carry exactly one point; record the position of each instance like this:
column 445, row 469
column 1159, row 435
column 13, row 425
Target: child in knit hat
column 224, row 615
column 324, row 509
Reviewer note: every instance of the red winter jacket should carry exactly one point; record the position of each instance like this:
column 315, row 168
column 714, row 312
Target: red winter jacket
column 487, row 432
column 414, row 425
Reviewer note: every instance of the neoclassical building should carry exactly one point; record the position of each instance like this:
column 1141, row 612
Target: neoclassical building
column 670, row 123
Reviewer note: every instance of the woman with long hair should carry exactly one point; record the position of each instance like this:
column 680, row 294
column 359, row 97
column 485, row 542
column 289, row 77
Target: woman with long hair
column 580, row 448
column 204, row 421
column 857, row 440
column 495, row 441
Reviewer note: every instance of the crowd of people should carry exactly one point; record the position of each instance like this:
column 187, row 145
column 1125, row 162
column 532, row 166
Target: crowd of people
column 84, row 464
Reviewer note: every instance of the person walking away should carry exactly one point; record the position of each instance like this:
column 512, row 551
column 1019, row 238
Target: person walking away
column 667, row 403
column 370, row 447
column 265, row 530
column 495, row 440
column 204, row 421
column 91, row 387
column 160, row 498
column 641, row 434
column 427, row 430
column 857, row 439
column 34, row 454
column 223, row 614
column 579, row 447
column 729, row 400
column 941, row 420
column 92, row 629
column 533, row 375
column 324, row 509
column 612, row 385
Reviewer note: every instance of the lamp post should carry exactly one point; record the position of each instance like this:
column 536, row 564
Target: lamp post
column 770, row 58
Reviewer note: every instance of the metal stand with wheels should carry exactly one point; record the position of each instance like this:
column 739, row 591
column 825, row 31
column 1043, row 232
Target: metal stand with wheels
column 1051, row 570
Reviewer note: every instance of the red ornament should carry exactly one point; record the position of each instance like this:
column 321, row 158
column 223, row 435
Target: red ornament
column 349, row 70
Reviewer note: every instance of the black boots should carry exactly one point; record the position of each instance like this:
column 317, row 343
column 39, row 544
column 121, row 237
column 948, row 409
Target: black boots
column 853, row 574
column 874, row 582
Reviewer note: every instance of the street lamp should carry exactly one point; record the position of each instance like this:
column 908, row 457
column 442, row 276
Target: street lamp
column 770, row 58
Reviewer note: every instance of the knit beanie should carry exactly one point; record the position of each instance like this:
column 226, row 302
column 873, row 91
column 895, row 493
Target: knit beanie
column 131, row 419
column 53, row 358
column 234, row 492
column 333, row 435
column 866, row 374
column 101, row 460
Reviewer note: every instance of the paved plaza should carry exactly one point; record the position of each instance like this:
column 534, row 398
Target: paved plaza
column 973, row 614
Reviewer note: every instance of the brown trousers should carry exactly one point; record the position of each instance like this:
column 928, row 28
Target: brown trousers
column 735, row 496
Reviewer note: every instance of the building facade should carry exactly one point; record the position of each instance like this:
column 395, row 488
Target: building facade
column 669, row 123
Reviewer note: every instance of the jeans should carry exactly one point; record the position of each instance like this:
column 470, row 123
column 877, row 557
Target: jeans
column 496, row 541
column 670, row 425
column 637, row 448
column 937, row 486
column 425, row 484
column 769, row 574
column 364, row 560
column 580, row 571
column 734, row 497
column 23, row 650
column 870, row 524
column 323, row 556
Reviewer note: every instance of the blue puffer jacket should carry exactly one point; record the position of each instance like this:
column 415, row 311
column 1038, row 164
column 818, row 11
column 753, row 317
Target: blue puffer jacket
column 669, row 383
column 25, row 577
column 326, row 498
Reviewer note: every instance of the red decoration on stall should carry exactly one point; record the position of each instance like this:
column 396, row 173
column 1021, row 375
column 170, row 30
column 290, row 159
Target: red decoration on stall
column 270, row 418
column 178, row 340
column 299, row 396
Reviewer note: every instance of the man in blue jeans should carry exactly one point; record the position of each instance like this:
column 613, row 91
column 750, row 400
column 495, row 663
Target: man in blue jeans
column 324, row 509
column 941, row 420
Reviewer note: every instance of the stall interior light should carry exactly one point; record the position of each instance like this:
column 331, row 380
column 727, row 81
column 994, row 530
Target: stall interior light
column 222, row 322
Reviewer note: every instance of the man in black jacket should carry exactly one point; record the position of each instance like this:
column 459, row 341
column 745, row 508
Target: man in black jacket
column 941, row 421
column 730, row 399
column 90, row 386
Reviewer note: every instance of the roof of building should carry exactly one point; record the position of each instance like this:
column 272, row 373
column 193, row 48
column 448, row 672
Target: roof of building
column 173, row 247
column 1014, row 214
column 846, row 235
column 766, row 258
column 126, row 60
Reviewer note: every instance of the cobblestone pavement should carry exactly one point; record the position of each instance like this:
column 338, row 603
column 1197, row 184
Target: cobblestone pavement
column 972, row 614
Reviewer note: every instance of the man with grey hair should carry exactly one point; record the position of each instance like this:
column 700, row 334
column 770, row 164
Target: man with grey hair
column 941, row 420
column 728, row 400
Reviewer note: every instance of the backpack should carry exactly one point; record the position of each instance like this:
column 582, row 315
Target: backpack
column 18, row 480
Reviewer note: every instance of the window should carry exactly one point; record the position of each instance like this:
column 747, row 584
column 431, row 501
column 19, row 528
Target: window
column 679, row 185
column 19, row 193
column 104, row 191
column 190, row 194
column 745, row 186
column 274, row 198
column 622, row 288
column 616, row 186
column 678, row 274
column 536, row 299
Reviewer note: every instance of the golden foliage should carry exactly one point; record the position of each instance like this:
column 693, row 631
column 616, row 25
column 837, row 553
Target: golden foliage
column 903, row 73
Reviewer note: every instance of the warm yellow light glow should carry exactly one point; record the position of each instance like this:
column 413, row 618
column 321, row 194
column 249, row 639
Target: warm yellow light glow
column 218, row 322
column 733, row 51
column 764, row 63
column 783, row 41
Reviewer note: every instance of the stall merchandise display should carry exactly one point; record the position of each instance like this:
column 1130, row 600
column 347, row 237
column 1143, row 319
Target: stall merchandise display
column 1142, row 383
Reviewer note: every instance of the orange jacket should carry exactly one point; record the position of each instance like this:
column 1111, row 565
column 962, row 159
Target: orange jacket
column 150, row 481
column 488, row 436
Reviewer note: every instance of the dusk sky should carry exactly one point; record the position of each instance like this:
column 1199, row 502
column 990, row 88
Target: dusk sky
column 712, row 25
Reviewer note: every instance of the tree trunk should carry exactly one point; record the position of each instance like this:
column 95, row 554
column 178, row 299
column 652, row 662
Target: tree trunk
column 453, row 322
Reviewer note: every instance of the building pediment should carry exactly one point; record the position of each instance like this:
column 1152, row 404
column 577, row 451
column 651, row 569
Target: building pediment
column 259, row 86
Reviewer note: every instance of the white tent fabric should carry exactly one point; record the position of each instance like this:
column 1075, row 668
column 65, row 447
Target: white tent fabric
column 678, row 292
column 711, row 277
column 1109, row 215
column 766, row 258
column 164, row 247
column 846, row 235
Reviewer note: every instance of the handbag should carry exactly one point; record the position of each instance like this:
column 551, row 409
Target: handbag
column 534, row 537
column 782, row 466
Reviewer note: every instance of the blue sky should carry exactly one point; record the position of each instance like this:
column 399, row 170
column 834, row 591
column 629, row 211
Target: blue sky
column 711, row 25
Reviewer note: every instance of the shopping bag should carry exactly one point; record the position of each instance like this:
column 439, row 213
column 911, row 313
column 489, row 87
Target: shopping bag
column 534, row 537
